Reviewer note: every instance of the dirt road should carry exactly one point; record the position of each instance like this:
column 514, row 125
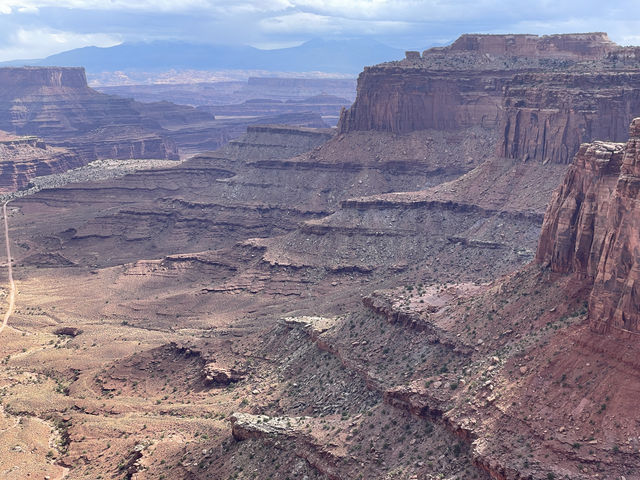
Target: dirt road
column 12, row 285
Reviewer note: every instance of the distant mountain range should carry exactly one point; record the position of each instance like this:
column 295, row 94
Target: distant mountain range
column 336, row 56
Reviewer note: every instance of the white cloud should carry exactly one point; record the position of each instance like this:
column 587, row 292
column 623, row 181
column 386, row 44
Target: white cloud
column 409, row 10
column 39, row 43
column 251, row 6
column 353, row 9
column 148, row 5
column 28, row 9
column 406, row 10
column 314, row 24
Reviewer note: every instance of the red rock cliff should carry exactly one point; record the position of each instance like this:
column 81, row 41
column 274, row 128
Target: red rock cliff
column 574, row 226
column 404, row 100
column 22, row 158
column 546, row 95
column 615, row 300
column 546, row 116
column 592, row 229
column 23, row 77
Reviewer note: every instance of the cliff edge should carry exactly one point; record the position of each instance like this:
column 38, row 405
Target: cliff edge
column 543, row 95
column 591, row 229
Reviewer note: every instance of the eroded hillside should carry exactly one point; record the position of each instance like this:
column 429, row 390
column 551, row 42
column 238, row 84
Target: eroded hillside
column 366, row 303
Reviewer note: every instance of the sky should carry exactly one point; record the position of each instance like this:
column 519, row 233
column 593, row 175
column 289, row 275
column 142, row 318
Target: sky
column 36, row 28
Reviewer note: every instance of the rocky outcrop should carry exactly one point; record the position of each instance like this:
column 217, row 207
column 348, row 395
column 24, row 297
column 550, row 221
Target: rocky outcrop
column 393, row 309
column 24, row 77
column 245, row 426
column 288, row 429
column 268, row 142
column 511, row 84
column 591, row 229
column 22, row 158
column 548, row 115
column 575, row 224
column 223, row 375
column 577, row 45
column 68, row 331
column 121, row 143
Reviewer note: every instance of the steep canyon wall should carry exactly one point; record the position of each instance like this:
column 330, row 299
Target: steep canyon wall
column 592, row 228
column 545, row 95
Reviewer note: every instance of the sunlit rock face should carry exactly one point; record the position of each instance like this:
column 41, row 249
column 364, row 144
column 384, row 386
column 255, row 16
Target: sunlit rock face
column 592, row 229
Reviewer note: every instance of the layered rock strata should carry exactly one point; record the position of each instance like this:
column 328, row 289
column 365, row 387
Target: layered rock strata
column 266, row 142
column 251, row 188
column 511, row 83
column 57, row 104
column 22, row 158
column 392, row 97
column 591, row 229
column 546, row 116
column 576, row 45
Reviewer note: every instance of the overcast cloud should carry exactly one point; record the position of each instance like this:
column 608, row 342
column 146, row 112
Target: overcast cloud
column 37, row 28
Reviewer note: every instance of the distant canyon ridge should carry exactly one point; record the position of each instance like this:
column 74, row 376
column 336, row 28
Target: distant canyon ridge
column 54, row 121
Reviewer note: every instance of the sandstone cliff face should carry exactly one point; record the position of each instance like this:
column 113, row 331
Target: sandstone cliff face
column 55, row 103
column 508, row 83
column 22, row 77
column 592, row 227
column 546, row 116
column 615, row 300
column 22, row 158
column 574, row 226
column 404, row 100
column 121, row 143
column 268, row 142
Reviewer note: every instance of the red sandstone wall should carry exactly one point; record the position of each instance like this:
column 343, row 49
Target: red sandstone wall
column 592, row 229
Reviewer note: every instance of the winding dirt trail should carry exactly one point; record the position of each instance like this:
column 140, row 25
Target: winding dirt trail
column 12, row 285
column 63, row 471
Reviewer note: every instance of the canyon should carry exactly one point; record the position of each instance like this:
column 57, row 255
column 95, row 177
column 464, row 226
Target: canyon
column 443, row 286
column 230, row 93
column 56, row 105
